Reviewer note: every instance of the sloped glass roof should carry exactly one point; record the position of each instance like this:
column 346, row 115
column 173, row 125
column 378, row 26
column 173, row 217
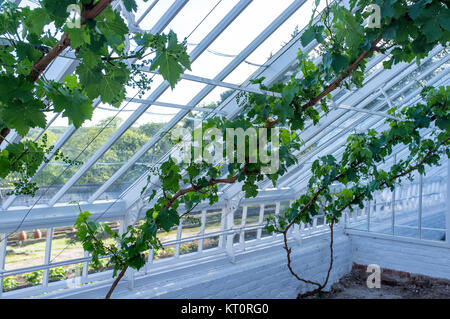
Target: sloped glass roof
column 229, row 42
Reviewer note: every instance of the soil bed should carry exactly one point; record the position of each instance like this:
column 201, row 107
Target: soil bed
column 394, row 285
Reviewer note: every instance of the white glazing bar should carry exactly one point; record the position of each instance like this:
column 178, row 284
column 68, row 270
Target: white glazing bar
column 355, row 109
column 178, row 244
column 202, row 231
column 447, row 217
column 368, row 214
column 400, row 71
column 130, row 275
column 85, row 271
column 150, row 258
column 175, row 106
column 159, row 27
column 296, row 231
column 243, row 224
column 48, row 254
column 436, row 81
column 199, row 79
column 419, row 226
column 260, row 221
column 57, row 146
column 302, row 229
column 168, row 16
column 205, row 91
column 230, row 237
column 223, row 222
column 317, row 134
column 147, row 11
column 304, row 172
column 277, row 212
column 3, row 243
column 393, row 202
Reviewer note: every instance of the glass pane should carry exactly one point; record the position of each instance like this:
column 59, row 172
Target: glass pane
column 434, row 201
column 25, row 249
column 269, row 210
column 189, row 247
column 252, row 220
column 65, row 246
column 164, row 237
column 213, row 223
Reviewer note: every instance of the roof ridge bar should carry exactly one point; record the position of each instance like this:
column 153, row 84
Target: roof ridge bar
column 199, row 79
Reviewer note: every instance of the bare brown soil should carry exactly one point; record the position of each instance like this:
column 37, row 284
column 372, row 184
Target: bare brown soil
column 394, row 285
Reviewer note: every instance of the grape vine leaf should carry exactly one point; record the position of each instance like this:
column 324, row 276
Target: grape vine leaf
column 112, row 26
column 130, row 5
column 78, row 36
column 58, row 9
column 171, row 59
column 36, row 20
column 167, row 218
column 73, row 104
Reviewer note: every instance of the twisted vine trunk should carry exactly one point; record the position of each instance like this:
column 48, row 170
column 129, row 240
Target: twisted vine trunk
column 116, row 281
column 320, row 286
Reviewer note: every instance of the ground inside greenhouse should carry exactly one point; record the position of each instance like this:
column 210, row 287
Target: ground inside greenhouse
column 394, row 285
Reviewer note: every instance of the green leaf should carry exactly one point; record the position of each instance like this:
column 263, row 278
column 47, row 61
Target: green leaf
column 74, row 105
column 444, row 19
column 112, row 26
column 307, row 37
column 167, row 218
column 339, row 62
column 78, row 36
column 443, row 124
column 111, row 88
column 387, row 10
column 171, row 59
column 90, row 77
column 130, row 5
column 26, row 51
column 415, row 10
column 71, row 81
column 36, row 20
column 313, row 32
column 432, row 30
column 58, row 9
column 5, row 164
column 19, row 109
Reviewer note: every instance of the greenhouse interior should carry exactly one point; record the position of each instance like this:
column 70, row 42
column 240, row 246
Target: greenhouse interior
column 224, row 149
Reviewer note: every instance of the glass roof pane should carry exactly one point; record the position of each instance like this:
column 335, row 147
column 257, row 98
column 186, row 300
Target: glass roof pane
column 183, row 92
column 154, row 15
column 195, row 20
column 151, row 157
column 119, row 153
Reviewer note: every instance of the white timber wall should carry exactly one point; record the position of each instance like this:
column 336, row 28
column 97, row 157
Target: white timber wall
column 408, row 256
